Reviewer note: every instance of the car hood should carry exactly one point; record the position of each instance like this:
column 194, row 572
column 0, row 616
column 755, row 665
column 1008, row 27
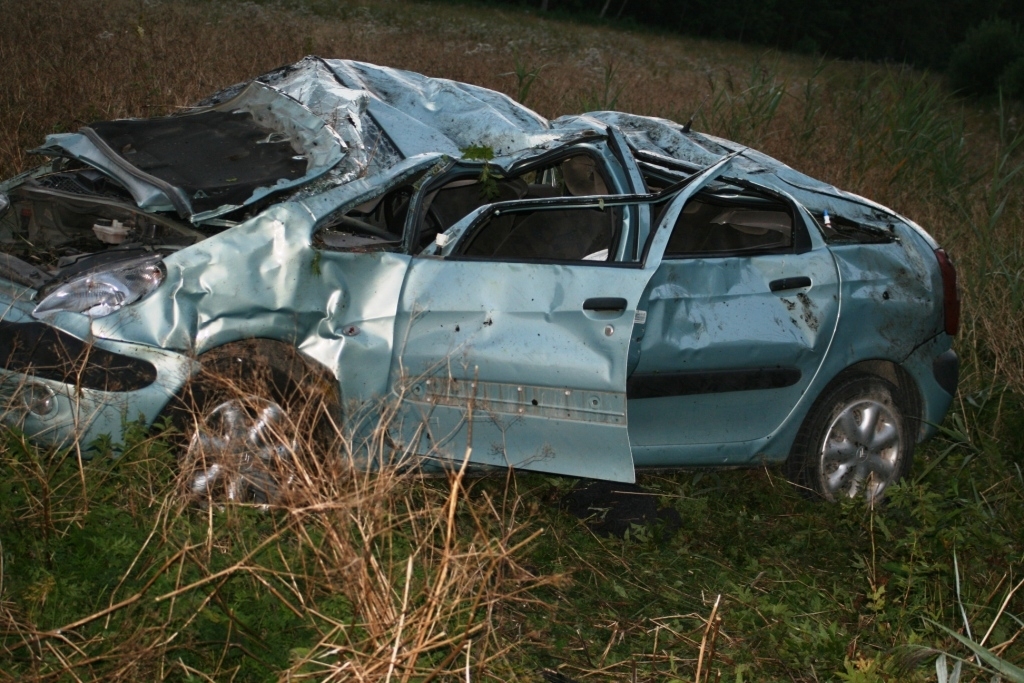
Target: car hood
column 211, row 161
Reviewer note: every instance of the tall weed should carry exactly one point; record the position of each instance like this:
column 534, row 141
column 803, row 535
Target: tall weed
column 745, row 112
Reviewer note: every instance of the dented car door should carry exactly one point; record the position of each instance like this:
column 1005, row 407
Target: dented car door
column 512, row 348
column 740, row 315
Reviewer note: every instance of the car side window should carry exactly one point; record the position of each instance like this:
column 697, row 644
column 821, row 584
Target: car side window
column 376, row 224
column 712, row 224
column 579, row 175
column 547, row 234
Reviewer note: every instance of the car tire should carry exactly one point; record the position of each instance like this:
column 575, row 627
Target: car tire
column 247, row 419
column 856, row 441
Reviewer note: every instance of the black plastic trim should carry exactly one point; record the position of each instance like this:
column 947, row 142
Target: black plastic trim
column 786, row 283
column 604, row 303
column 946, row 368
column 38, row 350
column 663, row 384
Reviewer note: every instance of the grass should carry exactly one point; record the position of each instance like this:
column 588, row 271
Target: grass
column 106, row 574
column 110, row 572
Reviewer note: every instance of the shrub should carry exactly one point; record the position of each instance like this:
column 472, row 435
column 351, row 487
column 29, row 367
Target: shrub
column 1012, row 80
column 978, row 62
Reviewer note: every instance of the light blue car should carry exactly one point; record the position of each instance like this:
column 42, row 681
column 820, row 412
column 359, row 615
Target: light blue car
column 586, row 296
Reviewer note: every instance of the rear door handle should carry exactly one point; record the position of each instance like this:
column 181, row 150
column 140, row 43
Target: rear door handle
column 605, row 304
column 789, row 283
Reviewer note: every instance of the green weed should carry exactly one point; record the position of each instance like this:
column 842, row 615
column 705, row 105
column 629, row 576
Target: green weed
column 525, row 76
column 606, row 95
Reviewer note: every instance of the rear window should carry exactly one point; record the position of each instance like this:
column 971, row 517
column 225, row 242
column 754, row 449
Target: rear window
column 711, row 224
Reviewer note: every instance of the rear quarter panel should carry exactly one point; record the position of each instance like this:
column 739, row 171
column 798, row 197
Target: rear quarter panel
column 891, row 299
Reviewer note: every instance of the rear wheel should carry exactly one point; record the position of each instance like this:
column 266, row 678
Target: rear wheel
column 248, row 419
column 855, row 442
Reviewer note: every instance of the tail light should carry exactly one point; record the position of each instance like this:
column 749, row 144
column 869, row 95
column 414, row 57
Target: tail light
column 950, row 292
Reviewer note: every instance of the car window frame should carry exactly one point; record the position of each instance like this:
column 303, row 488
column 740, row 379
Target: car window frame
column 797, row 231
column 801, row 243
column 555, row 204
column 461, row 169
column 448, row 249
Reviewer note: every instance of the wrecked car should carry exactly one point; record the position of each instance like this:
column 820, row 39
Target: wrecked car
column 587, row 296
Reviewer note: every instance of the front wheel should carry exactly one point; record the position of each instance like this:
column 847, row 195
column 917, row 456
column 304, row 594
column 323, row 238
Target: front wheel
column 249, row 418
column 240, row 451
column 856, row 440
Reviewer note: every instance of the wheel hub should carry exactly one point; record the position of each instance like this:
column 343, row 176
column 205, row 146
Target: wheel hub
column 861, row 450
column 240, row 452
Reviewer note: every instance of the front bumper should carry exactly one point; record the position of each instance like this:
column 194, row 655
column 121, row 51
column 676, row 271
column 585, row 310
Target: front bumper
column 59, row 386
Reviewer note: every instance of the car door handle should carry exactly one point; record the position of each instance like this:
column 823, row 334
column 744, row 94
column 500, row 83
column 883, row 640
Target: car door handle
column 604, row 304
column 789, row 283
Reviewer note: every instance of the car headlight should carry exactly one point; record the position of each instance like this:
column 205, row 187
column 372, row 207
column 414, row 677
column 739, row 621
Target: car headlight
column 101, row 293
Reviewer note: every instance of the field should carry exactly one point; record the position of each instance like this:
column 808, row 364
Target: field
column 107, row 574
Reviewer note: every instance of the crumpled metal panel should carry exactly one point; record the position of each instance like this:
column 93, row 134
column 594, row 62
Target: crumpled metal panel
column 308, row 134
column 312, row 83
column 337, row 307
column 464, row 114
column 462, row 321
column 385, row 115
column 718, row 314
column 890, row 290
column 663, row 137
column 263, row 278
column 354, row 193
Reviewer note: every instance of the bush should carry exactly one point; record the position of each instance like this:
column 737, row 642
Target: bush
column 979, row 61
column 1012, row 80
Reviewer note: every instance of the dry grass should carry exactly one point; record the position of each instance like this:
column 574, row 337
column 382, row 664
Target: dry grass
column 382, row 575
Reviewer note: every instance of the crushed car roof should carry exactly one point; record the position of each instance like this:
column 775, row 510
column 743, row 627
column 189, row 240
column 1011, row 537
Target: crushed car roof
column 347, row 120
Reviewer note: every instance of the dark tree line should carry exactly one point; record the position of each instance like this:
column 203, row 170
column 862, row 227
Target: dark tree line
column 920, row 32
